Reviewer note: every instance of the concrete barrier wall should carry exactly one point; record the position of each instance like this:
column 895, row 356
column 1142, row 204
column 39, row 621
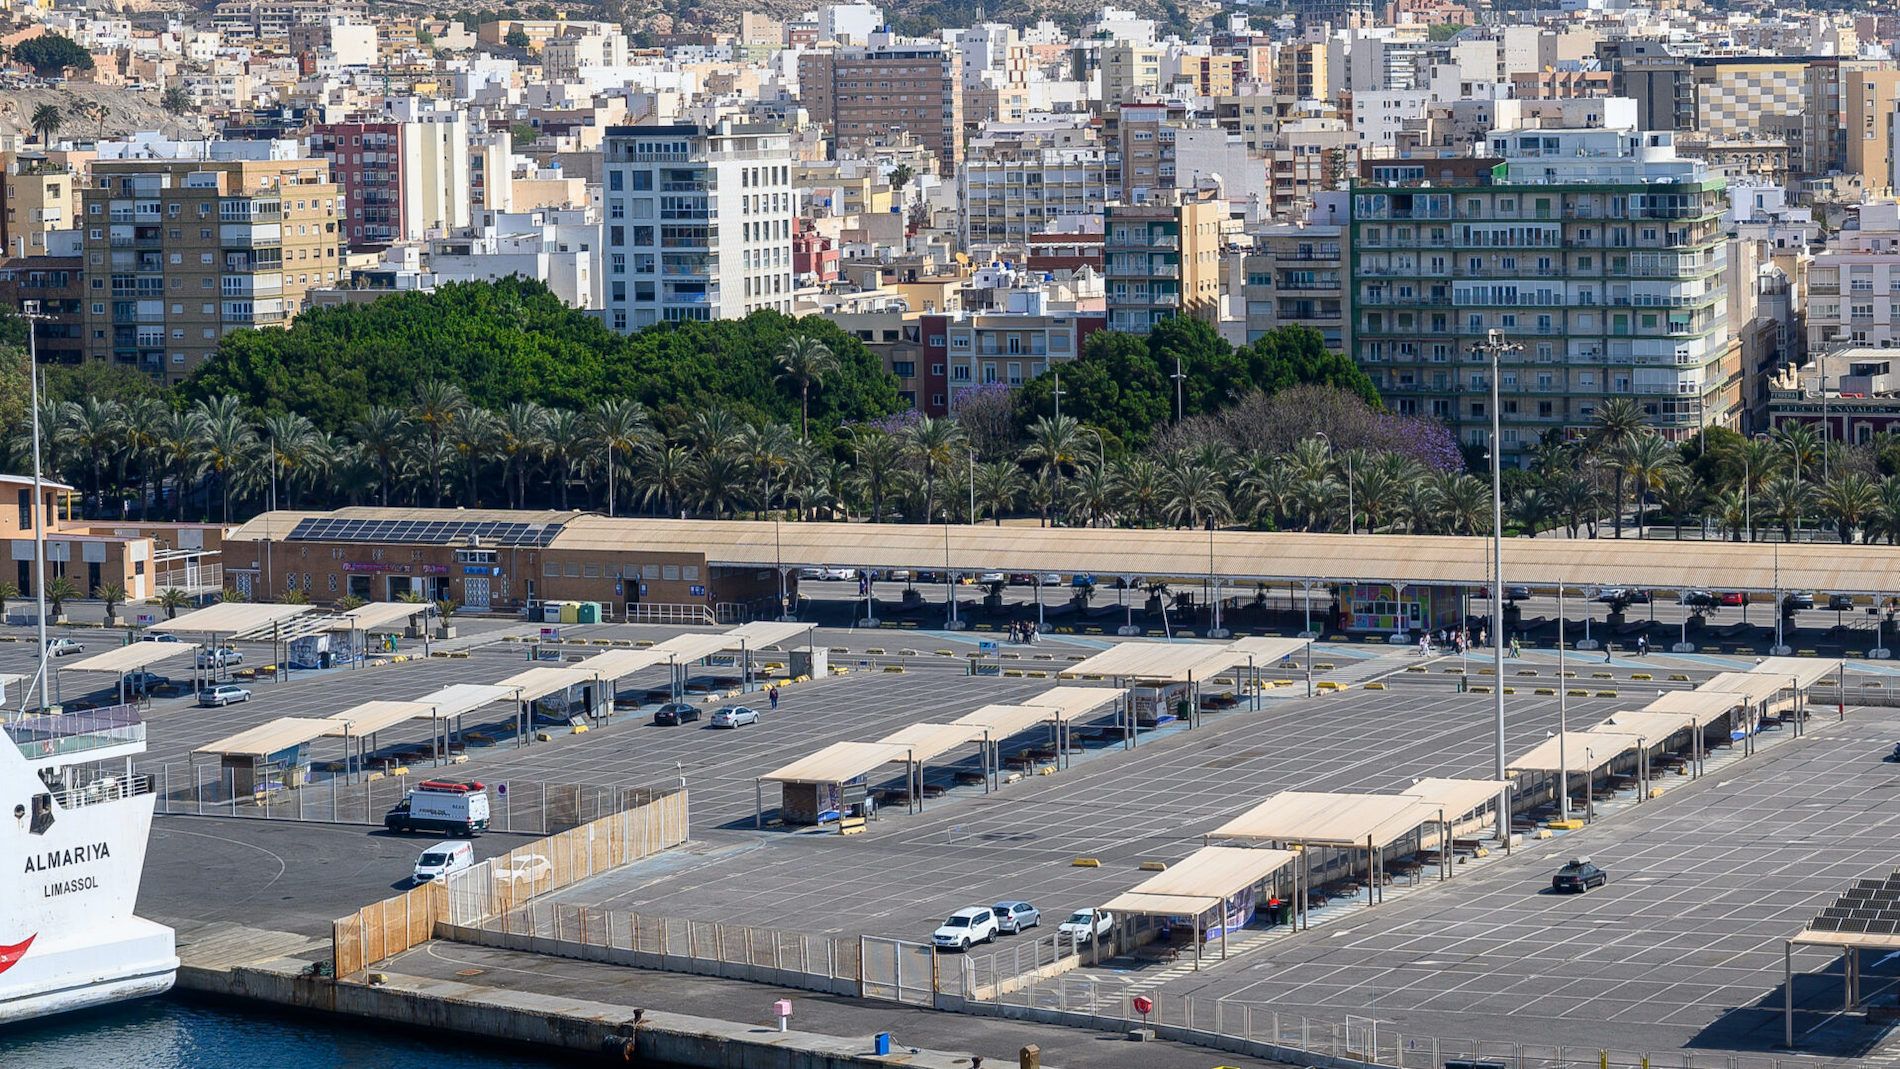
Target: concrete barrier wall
column 522, row 1017
column 646, row 959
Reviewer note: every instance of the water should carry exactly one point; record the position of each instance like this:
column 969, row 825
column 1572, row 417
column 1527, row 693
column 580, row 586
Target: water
column 175, row 1033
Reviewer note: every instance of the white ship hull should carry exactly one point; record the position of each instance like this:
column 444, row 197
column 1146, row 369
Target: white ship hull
column 72, row 849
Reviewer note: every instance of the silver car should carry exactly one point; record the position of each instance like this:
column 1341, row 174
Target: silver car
column 1013, row 917
column 733, row 716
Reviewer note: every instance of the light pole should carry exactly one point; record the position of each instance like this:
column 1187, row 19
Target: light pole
column 30, row 311
column 1563, row 715
column 1347, row 456
column 1494, row 346
column 973, row 488
column 1056, row 392
column 1748, row 490
column 1178, row 376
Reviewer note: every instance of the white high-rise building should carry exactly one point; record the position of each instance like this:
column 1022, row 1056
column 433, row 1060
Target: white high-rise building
column 697, row 222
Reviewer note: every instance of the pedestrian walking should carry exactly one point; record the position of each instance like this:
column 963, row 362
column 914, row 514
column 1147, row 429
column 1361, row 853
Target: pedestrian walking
column 1516, row 650
column 771, row 695
column 1606, row 652
column 1642, row 645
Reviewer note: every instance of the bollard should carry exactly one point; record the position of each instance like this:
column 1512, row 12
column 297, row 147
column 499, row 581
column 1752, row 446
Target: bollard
column 783, row 1009
column 1030, row 1057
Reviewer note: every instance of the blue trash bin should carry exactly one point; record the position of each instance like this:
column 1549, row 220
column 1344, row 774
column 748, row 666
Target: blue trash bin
column 881, row 1043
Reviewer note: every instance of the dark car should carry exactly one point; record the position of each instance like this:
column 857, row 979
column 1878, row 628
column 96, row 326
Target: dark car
column 1797, row 601
column 1895, row 755
column 1579, row 876
column 673, row 713
column 1840, row 602
column 1516, row 593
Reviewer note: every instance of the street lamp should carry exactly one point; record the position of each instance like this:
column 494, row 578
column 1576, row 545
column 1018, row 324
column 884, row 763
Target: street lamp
column 1748, row 489
column 1178, row 376
column 1347, row 454
column 1494, row 346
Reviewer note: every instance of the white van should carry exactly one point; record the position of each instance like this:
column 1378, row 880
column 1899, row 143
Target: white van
column 443, row 858
column 445, row 807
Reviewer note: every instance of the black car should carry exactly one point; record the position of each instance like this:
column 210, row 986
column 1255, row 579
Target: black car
column 1840, row 602
column 1579, row 876
column 1516, row 593
column 1796, row 602
column 1895, row 755
column 673, row 713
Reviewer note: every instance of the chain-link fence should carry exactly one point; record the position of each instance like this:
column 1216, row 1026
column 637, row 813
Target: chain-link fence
column 533, row 807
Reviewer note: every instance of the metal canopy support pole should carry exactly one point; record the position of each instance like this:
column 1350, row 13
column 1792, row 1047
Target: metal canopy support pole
column 1563, row 718
column 758, row 804
column 1226, row 922
column 1787, row 993
column 1369, row 875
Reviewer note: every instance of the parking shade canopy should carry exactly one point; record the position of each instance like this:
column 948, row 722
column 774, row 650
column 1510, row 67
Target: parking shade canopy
column 1655, row 725
column 1581, row 751
column 1002, row 721
column 1457, row 796
column 1329, row 819
column 685, row 649
column 131, row 657
column 1754, row 688
column 617, row 664
column 273, row 736
column 371, row 717
column 1070, row 702
column 378, row 616
column 926, row 741
column 762, row 633
column 458, row 698
column 228, row 618
column 841, row 762
column 542, row 680
column 1705, row 703
column 1158, row 662
column 1200, row 881
column 1265, row 650
column 1804, row 672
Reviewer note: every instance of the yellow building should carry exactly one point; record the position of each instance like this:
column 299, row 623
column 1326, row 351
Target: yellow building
column 40, row 197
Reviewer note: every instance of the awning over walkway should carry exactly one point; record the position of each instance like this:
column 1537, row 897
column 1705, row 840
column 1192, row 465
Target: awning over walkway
column 762, row 633
column 617, row 664
column 1266, row 650
column 1157, row 662
column 1006, row 720
column 1324, row 819
column 1656, row 726
column 228, row 618
column 686, row 649
column 130, row 657
column 1070, row 702
column 372, row 717
column 1803, row 672
column 458, row 698
column 926, row 741
column 274, row 736
column 1755, row 688
column 1705, row 703
column 841, row 762
column 1201, row 881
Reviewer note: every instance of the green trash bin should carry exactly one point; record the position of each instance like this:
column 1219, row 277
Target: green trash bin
column 588, row 613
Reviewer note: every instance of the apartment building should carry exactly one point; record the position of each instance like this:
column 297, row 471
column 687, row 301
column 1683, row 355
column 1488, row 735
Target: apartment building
column 1130, row 72
column 1871, row 105
column 39, row 197
column 1854, row 284
column 53, row 287
column 872, row 97
column 1162, row 259
column 1599, row 251
column 1009, row 195
column 186, row 242
column 399, row 179
column 698, row 222
column 1296, row 276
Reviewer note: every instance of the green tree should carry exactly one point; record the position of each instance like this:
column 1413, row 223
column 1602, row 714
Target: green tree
column 113, row 595
column 1114, row 386
column 517, row 38
column 804, row 362
column 46, row 122
column 51, row 55
column 59, row 591
column 176, row 101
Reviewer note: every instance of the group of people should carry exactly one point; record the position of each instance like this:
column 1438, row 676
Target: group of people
column 1023, row 631
column 1458, row 641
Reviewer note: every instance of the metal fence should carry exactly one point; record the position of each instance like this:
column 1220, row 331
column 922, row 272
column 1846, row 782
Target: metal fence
column 533, row 807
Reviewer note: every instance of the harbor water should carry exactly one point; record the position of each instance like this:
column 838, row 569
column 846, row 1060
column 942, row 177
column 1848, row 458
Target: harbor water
column 183, row 1033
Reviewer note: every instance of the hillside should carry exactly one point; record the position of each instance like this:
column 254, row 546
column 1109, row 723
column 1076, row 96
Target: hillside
column 125, row 112
column 917, row 17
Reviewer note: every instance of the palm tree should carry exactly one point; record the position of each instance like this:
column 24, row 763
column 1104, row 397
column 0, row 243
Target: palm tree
column 59, row 591
column 1801, row 447
column 618, row 426
column 46, row 122
column 1380, row 486
column 805, row 362
column 1730, row 511
column 178, row 435
column 1884, row 518
column 712, row 430
column 766, row 449
column 567, row 439
column 1849, row 499
column 1749, row 463
column 438, row 405
column 475, row 436
column 876, row 457
column 1196, row 494
column 97, row 430
column 1463, row 502
column 1787, row 500
column 999, row 485
column 521, row 436
column 382, row 430
column 1266, row 485
column 1531, row 509
column 719, row 480
column 666, row 470
column 113, row 595
column 1057, row 446
column 1619, row 420
column 143, row 419
column 1681, row 495
column 1092, row 494
column 291, row 442
column 932, row 444
column 7, row 591
column 226, row 445
column 1647, row 459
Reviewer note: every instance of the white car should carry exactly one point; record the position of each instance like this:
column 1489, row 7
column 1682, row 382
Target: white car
column 840, row 575
column 63, row 647
column 532, row 868
column 992, row 577
column 969, row 925
column 733, row 716
column 1085, row 924
column 223, row 694
column 222, row 657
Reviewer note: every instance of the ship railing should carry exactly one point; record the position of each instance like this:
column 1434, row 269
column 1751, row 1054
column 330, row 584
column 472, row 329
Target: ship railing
column 105, row 787
column 43, row 735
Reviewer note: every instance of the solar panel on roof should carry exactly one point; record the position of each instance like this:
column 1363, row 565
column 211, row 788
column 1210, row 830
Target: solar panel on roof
column 428, row 532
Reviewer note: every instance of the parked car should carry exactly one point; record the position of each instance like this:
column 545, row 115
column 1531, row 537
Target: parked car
column 1797, row 601
column 1579, row 876
column 63, row 647
column 897, row 575
column 1516, row 593
column 971, row 924
column 160, row 638
column 1840, row 602
column 1609, row 595
column 1698, row 599
column 674, row 713
column 1085, row 924
column 991, row 577
column 1013, row 917
column 733, row 716
column 1637, row 595
column 1895, row 755
column 223, row 694
column 927, row 576
column 144, row 682
column 1081, row 580
column 443, row 858
column 222, row 657
column 1735, row 597
column 529, row 868
column 840, row 575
